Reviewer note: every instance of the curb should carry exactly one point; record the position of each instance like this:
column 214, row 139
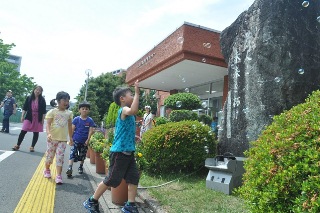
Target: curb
column 145, row 202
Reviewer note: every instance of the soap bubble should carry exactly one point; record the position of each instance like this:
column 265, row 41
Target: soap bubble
column 318, row 19
column 186, row 90
column 305, row 3
column 183, row 80
column 301, row 71
column 206, row 149
column 178, row 104
column 204, row 104
column 277, row 79
column 180, row 40
column 210, row 132
column 207, row 45
column 204, row 60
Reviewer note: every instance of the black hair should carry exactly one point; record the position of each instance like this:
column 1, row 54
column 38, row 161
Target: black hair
column 118, row 92
column 59, row 96
column 32, row 94
column 84, row 104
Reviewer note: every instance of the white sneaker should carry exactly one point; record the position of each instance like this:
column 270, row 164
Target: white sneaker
column 47, row 173
column 59, row 179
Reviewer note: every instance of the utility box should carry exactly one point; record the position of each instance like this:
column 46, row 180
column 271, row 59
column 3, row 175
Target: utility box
column 225, row 173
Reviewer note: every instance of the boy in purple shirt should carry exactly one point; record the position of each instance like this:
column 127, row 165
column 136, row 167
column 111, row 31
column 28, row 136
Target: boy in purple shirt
column 82, row 128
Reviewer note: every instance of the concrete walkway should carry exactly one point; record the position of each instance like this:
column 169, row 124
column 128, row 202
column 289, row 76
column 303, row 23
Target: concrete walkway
column 145, row 202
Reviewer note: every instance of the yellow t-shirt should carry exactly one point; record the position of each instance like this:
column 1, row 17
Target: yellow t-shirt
column 59, row 125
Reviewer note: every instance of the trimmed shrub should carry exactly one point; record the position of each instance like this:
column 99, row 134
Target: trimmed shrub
column 283, row 165
column 177, row 146
column 206, row 119
column 112, row 115
column 160, row 120
column 186, row 101
column 181, row 115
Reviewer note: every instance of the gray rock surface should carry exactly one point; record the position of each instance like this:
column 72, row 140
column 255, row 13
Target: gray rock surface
column 265, row 48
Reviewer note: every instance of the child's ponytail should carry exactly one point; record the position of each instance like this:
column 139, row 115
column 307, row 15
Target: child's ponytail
column 53, row 103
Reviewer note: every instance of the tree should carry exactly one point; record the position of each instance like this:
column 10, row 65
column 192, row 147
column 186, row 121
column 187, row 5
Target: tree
column 10, row 78
column 100, row 91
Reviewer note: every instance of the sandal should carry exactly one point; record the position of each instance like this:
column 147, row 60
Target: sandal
column 16, row 148
column 31, row 149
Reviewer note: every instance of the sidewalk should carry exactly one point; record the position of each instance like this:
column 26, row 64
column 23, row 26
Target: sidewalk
column 145, row 202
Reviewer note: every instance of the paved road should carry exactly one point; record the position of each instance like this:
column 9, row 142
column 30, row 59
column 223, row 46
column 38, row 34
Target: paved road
column 23, row 189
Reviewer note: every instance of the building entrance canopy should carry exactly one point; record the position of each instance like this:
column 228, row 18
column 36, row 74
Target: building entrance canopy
column 186, row 59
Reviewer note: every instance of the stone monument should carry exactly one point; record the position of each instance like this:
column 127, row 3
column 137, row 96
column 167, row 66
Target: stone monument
column 273, row 56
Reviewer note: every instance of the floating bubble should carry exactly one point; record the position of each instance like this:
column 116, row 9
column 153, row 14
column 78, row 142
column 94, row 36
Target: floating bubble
column 301, row 71
column 210, row 132
column 183, row 80
column 277, row 79
column 206, row 149
column 305, row 3
column 178, row 104
column 180, row 40
column 207, row 45
column 186, row 90
column 318, row 19
column 205, row 139
column 204, row 104
column 204, row 60
column 245, row 110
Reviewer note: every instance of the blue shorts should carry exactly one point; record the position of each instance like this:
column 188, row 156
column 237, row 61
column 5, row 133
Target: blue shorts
column 122, row 166
column 78, row 152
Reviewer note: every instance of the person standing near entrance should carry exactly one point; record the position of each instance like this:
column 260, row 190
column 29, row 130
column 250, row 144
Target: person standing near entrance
column 9, row 105
column 32, row 117
column 147, row 121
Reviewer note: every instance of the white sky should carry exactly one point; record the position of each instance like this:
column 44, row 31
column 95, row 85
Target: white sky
column 59, row 39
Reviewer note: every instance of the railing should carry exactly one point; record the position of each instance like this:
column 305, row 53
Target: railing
column 13, row 118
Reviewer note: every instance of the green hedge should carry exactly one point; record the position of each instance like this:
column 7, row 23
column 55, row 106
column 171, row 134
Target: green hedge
column 186, row 101
column 283, row 165
column 112, row 115
column 180, row 115
column 177, row 146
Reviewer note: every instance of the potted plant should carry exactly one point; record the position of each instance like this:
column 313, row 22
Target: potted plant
column 91, row 151
column 98, row 149
column 105, row 156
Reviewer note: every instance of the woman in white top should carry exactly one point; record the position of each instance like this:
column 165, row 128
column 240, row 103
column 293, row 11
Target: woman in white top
column 147, row 120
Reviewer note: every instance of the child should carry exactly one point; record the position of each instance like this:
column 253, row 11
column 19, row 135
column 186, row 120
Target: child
column 58, row 125
column 122, row 161
column 82, row 128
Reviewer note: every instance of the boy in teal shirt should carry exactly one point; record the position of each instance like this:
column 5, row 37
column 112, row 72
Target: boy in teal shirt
column 122, row 160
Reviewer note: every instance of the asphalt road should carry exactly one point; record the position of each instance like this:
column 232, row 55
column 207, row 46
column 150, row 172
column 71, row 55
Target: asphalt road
column 18, row 169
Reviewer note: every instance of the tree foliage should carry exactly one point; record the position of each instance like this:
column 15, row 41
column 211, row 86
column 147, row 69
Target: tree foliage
column 10, row 78
column 99, row 93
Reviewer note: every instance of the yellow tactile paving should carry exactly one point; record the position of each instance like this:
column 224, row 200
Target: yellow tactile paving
column 40, row 192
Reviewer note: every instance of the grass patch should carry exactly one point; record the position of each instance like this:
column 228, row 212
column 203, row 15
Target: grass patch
column 189, row 194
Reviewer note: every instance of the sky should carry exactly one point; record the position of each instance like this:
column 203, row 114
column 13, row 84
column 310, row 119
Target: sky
column 59, row 39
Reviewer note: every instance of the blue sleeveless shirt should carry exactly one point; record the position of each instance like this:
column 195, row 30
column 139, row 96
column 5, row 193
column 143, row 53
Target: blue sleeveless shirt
column 124, row 136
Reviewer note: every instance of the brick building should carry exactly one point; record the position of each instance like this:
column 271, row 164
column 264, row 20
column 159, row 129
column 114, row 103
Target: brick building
column 188, row 60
